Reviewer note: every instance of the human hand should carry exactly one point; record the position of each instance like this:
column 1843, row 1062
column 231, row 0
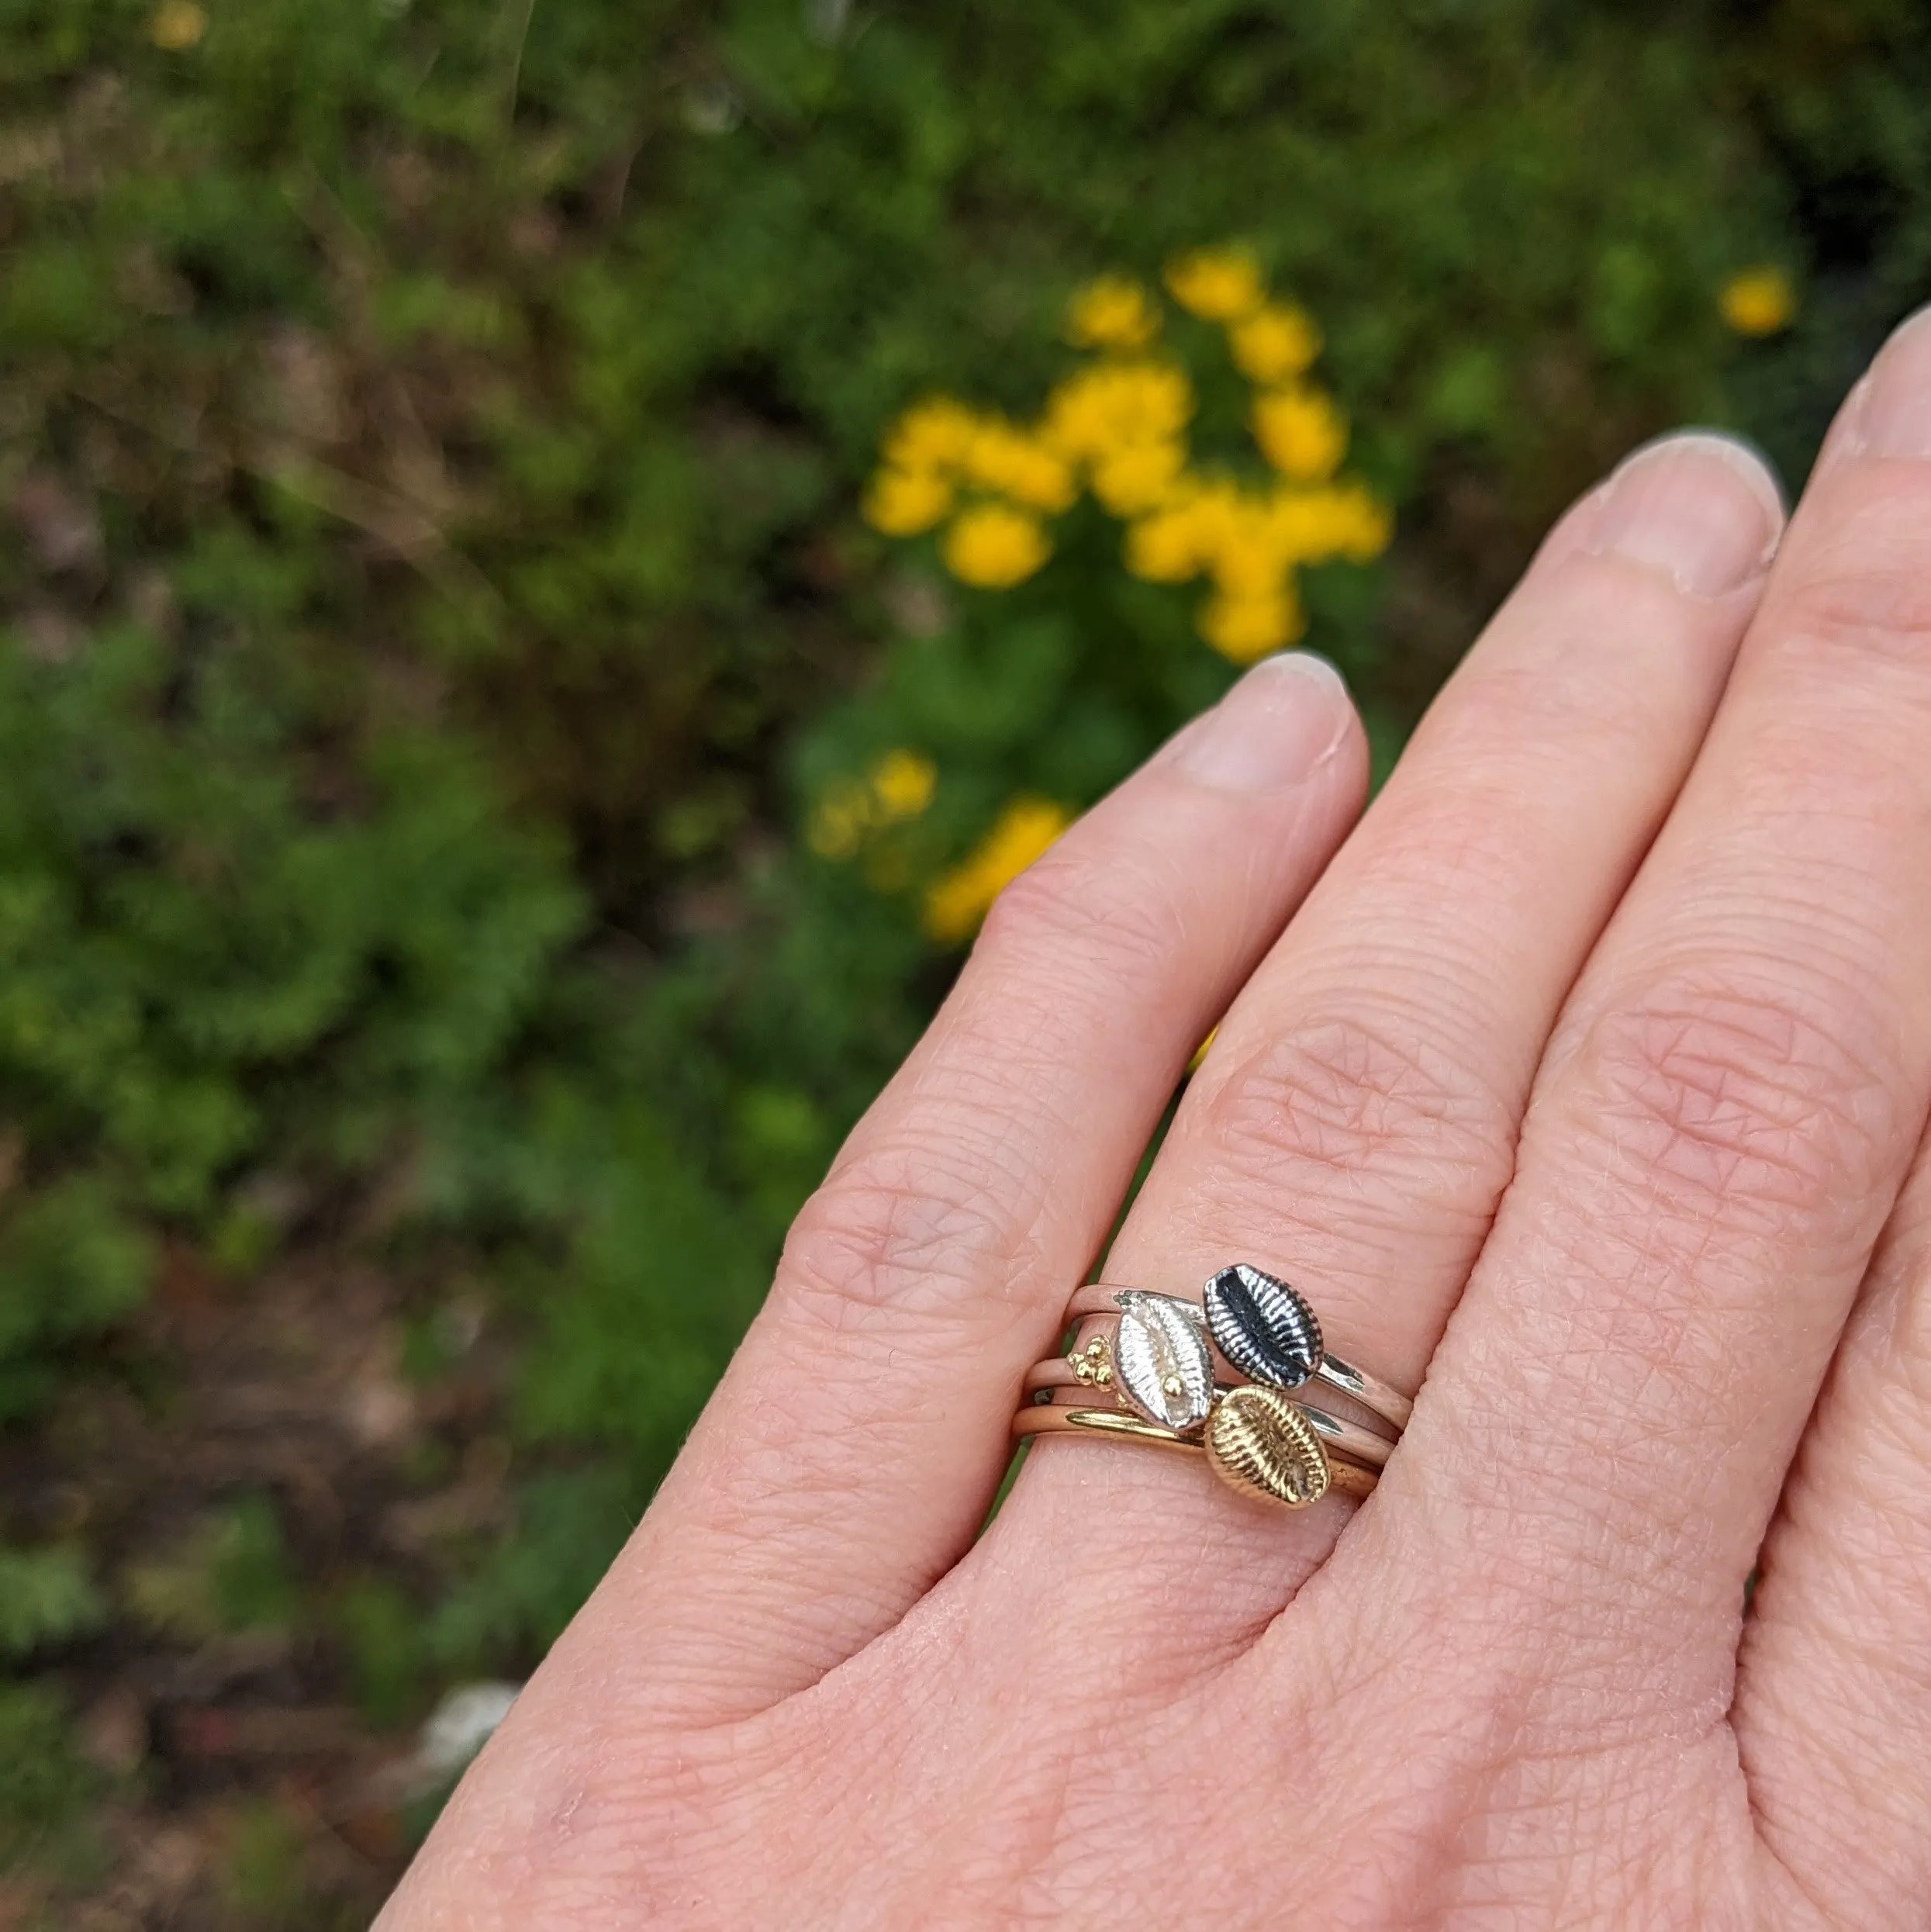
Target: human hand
column 1589, row 1078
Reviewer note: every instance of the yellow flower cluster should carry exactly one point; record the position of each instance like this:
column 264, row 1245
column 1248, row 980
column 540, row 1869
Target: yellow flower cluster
column 1118, row 427
column 899, row 786
column 956, row 902
column 941, row 458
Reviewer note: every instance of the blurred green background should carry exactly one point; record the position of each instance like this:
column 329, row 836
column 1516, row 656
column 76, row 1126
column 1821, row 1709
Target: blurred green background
column 434, row 601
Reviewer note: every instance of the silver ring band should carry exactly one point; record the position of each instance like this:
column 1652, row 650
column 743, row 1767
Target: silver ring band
column 1242, row 1297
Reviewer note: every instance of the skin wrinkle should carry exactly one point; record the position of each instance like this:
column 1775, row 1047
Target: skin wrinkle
column 1344, row 1094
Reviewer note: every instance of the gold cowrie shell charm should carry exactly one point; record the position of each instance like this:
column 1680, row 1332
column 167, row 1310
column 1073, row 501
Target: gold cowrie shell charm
column 1261, row 1444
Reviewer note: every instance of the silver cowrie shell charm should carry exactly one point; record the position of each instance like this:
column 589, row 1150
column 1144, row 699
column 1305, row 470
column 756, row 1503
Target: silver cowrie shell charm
column 1161, row 1363
column 1262, row 1327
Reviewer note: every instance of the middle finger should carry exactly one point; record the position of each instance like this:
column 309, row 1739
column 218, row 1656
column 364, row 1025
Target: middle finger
column 1355, row 1123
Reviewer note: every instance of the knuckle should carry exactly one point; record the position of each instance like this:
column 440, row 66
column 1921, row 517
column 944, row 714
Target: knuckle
column 1353, row 1096
column 1864, row 590
column 1742, row 1100
column 1125, row 924
column 910, row 1227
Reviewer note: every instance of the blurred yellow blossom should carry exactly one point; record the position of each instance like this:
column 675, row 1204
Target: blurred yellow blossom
column 902, row 782
column 901, row 786
column 934, row 435
column 901, row 503
column 995, row 547
column 1171, row 545
column 1301, row 432
column 1113, row 312
column 1218, row 284
column 1759, row 301
column 1248, row 557
column 1011, row 462
column 1099, row 409
column 1275, row 345
column 1247, row 627
column 1138, row 477
column 177, row 25
column 840, row 821
column 1358, row 523
column 955, row 903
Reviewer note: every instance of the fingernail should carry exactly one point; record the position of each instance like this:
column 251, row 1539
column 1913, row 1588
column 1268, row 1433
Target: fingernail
column 1894, row 409
column 1702, row 507
column 1278, row 725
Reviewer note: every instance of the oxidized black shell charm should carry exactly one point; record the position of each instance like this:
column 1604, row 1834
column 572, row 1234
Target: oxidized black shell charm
column 1263, row 1326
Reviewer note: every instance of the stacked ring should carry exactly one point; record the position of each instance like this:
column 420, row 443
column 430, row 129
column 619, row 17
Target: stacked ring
column 1158, row 1365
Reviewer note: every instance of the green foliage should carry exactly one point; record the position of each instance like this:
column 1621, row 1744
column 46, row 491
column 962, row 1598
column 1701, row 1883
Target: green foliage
column 46, row 1596
column 44, row 1784
column 381, row 1630
column 229, row 1574
column 523, row 1591
column 70, row 1265
column 263, row 1879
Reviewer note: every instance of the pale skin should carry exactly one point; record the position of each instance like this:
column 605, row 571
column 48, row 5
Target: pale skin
column 1585, row 1076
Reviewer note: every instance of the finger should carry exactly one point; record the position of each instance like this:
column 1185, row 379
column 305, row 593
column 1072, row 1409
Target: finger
column 1356, row 1122
column 1833, row 1696
column 1729, row 1106
column 853, row 1448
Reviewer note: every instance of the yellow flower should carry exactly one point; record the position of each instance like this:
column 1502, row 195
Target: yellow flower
column 1360, row 523
column 902, row 782
column 839, row 823
column 1201, row 1052
column 1138, row 477
column 1341, row 519
column 1099, row 409
column 1301, row 432
column 955, row 903
column 1218, row 284
column 178, row 24
column 934, row 434
column 1168, row 546
column 995, row 547
column 1759, row 301
column 901, row 503
column 1278, row 343
column 901, row 786
column 1247, row 627
column 1248, row 559
column 1023, row 466
column 1112, row 312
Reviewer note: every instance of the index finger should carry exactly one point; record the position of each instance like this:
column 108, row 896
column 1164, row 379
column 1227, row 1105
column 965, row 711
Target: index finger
column 852, row 1449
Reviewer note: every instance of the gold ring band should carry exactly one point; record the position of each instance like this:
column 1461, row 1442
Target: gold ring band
column 1338, row 1436
column 1307, row 1481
